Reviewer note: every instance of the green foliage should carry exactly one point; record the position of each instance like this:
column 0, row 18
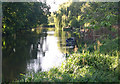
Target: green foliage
column 98, row 14
column 51, row 19
column 23, row 16
column 67, row 13
column 101, row 14
column 109, row 46
column 74, row 23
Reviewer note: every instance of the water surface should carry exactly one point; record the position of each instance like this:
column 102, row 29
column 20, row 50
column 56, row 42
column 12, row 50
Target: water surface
column 33, row 52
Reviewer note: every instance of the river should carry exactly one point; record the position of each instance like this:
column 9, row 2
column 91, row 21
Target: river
column 34, row 51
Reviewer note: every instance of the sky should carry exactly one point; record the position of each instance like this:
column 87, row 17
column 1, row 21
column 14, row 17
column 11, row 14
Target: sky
column 55, row 4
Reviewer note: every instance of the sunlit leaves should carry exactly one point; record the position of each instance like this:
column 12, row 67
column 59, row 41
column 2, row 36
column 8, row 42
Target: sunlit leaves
column 101, row 12
column 17, row 16
column 71, row 11
column 87, row 24
column 98, row 14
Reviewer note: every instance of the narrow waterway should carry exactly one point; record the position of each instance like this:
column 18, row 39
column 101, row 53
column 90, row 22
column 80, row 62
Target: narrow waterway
column 48, row 54
column 33, row 52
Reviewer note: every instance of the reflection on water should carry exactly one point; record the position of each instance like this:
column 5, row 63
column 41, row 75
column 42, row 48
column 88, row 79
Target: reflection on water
column 48, row 54
column 33, row 52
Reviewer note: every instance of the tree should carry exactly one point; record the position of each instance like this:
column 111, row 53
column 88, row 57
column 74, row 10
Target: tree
column 23, row 15
column 101, row 14
column 67, row 14
column 97, row 14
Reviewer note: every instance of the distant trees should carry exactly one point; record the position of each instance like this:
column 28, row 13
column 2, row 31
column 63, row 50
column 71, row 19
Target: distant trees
column 51, row 18
column 68, row 14
column 23, row 15
column 88, row 14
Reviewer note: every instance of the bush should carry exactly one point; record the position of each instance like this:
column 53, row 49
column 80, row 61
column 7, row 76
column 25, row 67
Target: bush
column 74, row 23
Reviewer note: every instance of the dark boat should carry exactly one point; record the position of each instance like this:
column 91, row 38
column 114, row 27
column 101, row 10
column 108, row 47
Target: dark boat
column 70, row 41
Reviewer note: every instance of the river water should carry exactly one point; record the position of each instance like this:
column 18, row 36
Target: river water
column 33, row 51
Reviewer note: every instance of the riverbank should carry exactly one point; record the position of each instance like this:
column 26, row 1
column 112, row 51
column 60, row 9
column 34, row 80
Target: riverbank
column 82, row 67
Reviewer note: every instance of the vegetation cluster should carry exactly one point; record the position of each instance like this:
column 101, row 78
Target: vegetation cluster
column 23, row 16
column 92, row 62
column 87, row 14
column 96, row 62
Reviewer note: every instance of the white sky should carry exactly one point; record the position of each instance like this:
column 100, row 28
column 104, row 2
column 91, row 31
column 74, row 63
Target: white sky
column 55, row 4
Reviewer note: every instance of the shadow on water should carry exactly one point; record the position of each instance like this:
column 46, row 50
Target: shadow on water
column 17, row 51
column 16, row 54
